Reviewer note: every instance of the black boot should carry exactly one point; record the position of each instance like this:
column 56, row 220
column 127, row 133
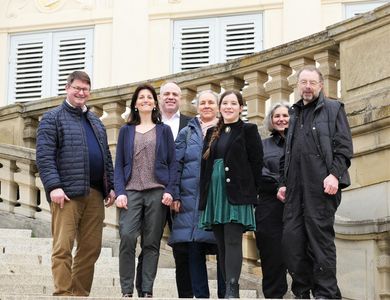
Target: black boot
column 232, row 289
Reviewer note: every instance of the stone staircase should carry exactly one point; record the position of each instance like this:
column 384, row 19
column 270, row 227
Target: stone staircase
column 25, row 271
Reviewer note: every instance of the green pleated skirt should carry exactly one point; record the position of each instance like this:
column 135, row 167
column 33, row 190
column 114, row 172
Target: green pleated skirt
column 218, row 209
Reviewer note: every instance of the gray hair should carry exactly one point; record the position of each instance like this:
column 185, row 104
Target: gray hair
column 268, row 119
column 214, row 94
column 311, row 68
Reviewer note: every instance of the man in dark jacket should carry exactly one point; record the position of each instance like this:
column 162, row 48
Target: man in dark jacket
column 314, row 168
column 75, row 166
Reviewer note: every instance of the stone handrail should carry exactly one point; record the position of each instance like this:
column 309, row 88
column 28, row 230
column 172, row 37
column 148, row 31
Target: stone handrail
column 22, row 190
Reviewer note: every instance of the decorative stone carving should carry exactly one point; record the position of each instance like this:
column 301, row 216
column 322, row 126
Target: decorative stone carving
column 48, row 6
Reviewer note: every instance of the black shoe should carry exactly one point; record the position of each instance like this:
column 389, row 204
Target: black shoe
column 232, row 289
column 146, row 295
column 127, row 295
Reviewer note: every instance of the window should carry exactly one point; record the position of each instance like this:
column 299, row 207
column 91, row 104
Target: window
column 40, row 62
column 207, row 41
column 354, row 9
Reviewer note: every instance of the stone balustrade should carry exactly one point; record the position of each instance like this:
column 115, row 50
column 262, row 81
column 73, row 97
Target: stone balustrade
column 353, row 56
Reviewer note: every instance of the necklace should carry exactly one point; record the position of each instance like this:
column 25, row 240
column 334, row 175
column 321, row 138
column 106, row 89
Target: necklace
column 227, row 129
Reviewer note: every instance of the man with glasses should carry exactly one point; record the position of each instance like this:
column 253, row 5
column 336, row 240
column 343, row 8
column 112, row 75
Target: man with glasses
column 314, row 169
column 75, row 166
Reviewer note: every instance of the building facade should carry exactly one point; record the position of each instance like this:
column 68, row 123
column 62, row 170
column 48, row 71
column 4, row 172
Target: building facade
column 120, row 41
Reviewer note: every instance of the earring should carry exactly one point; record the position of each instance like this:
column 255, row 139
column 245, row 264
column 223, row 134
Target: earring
column 154, row 108
column 135, row 109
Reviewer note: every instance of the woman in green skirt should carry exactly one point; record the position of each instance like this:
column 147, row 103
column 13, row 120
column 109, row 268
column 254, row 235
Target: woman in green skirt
column 229, row 183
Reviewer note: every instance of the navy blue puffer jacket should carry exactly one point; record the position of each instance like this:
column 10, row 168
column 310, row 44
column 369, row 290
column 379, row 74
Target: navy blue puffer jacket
column 62, row 153
column 189, row 144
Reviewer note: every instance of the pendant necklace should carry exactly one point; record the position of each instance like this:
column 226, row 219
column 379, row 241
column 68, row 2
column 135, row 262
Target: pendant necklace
column 227, row 129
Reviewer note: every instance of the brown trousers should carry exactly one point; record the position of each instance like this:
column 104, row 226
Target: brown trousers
column 81, row 219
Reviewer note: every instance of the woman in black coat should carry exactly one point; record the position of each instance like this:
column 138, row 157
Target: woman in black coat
column 230, row 177
column 269, row 211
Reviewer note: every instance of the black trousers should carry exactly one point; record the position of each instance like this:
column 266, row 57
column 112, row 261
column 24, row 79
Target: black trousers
column 308, row 236
column 269, row 229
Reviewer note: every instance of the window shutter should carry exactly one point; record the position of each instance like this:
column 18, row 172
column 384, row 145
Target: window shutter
column 72, row 52
column 208, row 41
column 241, row 36
column 27, row 68
column 192, row 45
column 40, row 62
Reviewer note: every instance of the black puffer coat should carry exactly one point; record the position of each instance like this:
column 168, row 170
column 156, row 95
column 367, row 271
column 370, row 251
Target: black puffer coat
column 62, row 153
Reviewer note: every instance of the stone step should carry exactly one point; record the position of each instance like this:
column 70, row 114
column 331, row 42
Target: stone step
column 102, row 280
column 102, row 292
column 22, row 241
column 37, row 248
column 39, row 269
column 20, row 233
column 45, row 260
column 100, row 270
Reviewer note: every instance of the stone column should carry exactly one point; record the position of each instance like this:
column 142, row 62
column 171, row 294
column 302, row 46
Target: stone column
column 255, row 96
column 97, row 110
column 208, row 86
column 44, row 207
column 113, row 121
column 25, row 178
column 383, row 266
column 111, row 221
column 232, row 83
column 30, row 132
column 296, row 65
column 186, row 107
column 327, row 60
column 278, row 88
column 9, row 188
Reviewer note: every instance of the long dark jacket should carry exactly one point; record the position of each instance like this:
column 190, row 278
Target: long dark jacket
column 189, row 145
column 62, row 153
column 332, row 136
column 243, row 162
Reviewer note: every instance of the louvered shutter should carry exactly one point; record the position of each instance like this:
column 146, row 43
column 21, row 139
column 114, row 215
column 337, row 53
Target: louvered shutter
column 27, row 67
column 208, row 41
column 72, row 51
column 241, row 36
column 192, row 44
column 40, row 62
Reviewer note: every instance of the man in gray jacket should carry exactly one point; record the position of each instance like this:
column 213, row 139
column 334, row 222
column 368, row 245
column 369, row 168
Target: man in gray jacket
column 314, row 169
column 75, row 166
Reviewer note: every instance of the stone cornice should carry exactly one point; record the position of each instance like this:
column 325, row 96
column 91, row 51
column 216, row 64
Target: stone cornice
column 363, row 228
column 17, row 153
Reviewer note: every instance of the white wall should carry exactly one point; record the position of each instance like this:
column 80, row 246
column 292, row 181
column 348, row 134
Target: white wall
column 133, row 39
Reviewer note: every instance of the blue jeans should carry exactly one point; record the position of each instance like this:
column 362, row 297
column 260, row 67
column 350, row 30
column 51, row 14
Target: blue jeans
column 197, row 252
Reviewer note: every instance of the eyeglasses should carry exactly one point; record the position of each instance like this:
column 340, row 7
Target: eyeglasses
column 310, row 82
column 79, row 89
